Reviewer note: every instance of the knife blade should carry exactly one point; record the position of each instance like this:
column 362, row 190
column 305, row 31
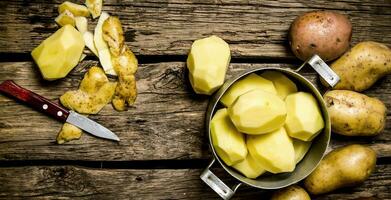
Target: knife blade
column 46, row 106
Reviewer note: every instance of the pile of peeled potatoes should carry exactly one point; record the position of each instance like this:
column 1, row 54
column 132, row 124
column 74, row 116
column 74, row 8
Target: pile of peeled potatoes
column 248, row 144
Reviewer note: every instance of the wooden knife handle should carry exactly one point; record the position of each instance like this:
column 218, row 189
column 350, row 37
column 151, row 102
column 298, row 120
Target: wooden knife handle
column 34, row 100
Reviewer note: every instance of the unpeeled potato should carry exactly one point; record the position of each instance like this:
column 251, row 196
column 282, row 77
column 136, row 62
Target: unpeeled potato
column 293, row 192
column 355, row 114
column 362, row 66
column 343, row 167
column 326, row 33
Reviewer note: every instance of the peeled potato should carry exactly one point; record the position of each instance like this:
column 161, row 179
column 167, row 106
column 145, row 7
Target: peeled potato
column 284, row 86
column 301, row 148
column 75, row 9
column 304, row 120
column 257, row 112
column 274, row 151
column 249, row 167
column 250, row 82
column 65, row 18
column 228, row 142
column 60, row 53
column 207, row 62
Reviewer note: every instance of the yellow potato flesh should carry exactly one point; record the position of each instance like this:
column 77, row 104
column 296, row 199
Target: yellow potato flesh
column 257, row 112
column 273, row 151
column 60, row 53
column 65, row 18
column 244, row 85
column 207, row 62
column 76, row 9
column 301, row 148
column 228, row 142
column 249, row 167
column 304, row 120
column 284, row 86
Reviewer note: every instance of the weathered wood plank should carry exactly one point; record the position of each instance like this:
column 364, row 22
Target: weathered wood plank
column 253, row 29
column 69, row 182
column 167, row 121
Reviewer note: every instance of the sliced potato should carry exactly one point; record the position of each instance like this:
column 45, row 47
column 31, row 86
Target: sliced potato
column 101, row 46
column 75, row 9
column 95, row 7
column 81, row 24
column 89, row 41
column 250, row 82
column 228, row 142
column 65, row 18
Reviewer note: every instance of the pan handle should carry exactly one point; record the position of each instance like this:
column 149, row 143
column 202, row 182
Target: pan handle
column 322, row 69
column 217, row 184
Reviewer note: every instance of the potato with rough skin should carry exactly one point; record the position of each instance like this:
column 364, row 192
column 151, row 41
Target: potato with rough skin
column 293, row 192
column 68, row 132
column 355, row 114
column 362, row 66
column 325, row 33
column 124, row 63
column 95, row 91
column 343, row 167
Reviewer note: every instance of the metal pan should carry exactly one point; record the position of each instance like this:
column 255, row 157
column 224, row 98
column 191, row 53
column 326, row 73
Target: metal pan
column 306, row 165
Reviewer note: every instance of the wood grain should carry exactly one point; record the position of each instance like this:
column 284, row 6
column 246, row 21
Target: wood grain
column 167, row 121
column 252, row 28
column 70, row 182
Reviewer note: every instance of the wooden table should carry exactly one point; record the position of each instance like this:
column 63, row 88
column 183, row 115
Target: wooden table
column 163, row 146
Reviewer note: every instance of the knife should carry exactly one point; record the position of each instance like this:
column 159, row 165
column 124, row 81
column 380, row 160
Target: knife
column 46, row 106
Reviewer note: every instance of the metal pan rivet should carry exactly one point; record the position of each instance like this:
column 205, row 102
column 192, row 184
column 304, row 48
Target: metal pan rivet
column 59, row 113
column 45, row 106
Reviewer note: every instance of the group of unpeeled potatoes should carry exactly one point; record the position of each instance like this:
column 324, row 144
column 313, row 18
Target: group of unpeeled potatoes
column 327, row 34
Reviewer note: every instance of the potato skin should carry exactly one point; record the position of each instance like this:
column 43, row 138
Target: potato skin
column 325, row 33
column 293, row 192
column 343, row 167
column 362, row 66
column 355, row 114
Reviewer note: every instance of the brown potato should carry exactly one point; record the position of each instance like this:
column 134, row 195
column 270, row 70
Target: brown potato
column 293, row 192
column 355, row 114
column 343, row 167
column 325, row 33
column 362, row 66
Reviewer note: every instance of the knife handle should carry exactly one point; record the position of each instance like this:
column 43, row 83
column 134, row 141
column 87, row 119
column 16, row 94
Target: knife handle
column 34, row 100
